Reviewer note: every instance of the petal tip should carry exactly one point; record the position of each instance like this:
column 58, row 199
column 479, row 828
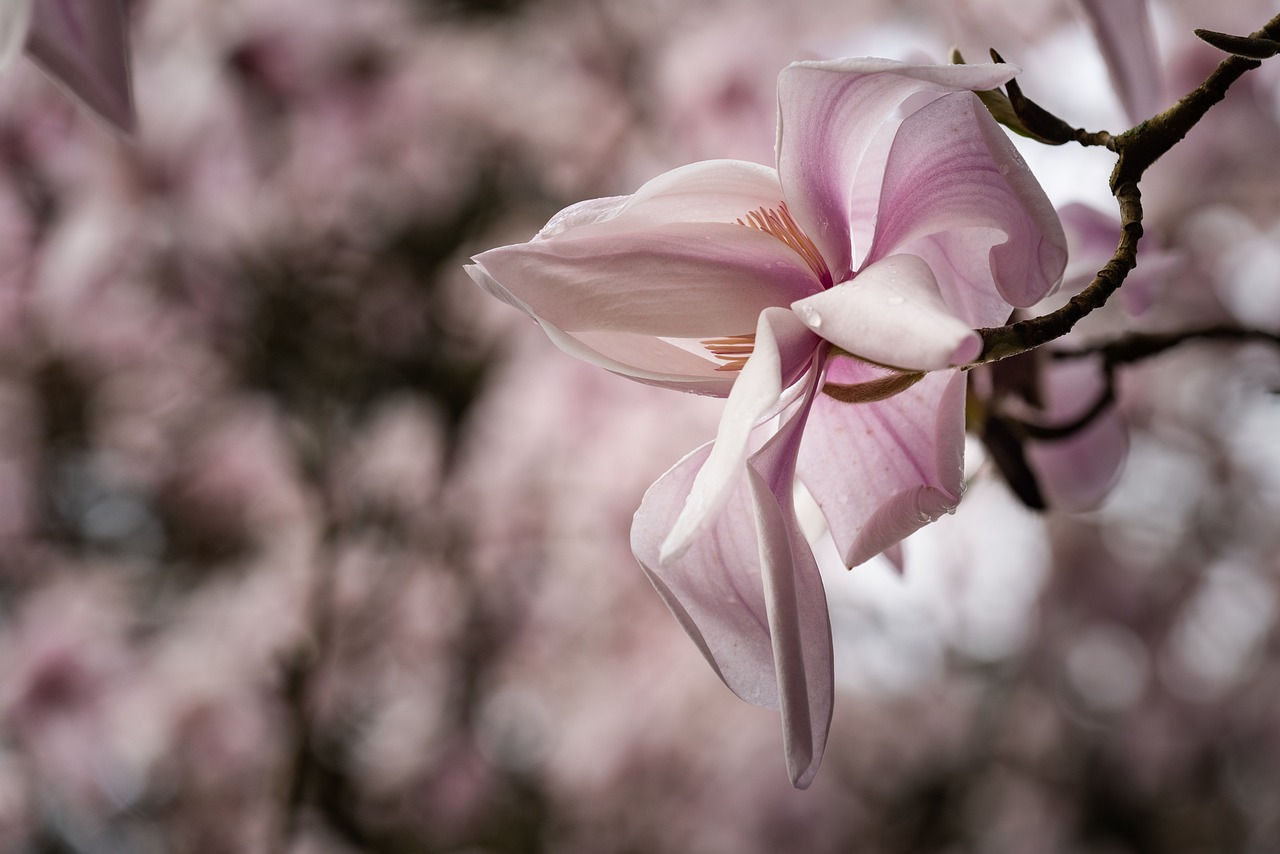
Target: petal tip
column 967, row 350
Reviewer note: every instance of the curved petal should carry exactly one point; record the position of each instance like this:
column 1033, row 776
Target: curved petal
column 714, row 587
column 748, row 590
column 883, row 469
column 15, row 18
column 892, row 313
column 711, row 191
column 796, row 603
column 958, row 194
column 782, row 345
column 83, row 45
column 835, row 122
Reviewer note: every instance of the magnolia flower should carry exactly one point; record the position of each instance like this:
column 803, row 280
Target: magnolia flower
column 829, row 300
column 80, row 43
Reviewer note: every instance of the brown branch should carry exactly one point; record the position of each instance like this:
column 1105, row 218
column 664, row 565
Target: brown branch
column 1137, row 346
column 1136, row 150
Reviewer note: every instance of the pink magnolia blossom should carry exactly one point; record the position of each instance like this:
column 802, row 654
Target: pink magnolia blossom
column 898, row 219
column 82, row 44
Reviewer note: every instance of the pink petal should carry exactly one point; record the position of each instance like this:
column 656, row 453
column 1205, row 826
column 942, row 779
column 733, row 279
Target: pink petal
column 643, row 358
column 83, row 44
column 637, row 283
column 892, row 313
column 1122, row 29
column 719, row 191
column 782, row 344
column 958, row 194
column 1077, row 472
column 683, row 280
column 834, row 125
column 881, row 470
column 748, row 590
column 15, row 18
column 799, row 622
column 714, row 587
column 693, row 282
column 710, row 191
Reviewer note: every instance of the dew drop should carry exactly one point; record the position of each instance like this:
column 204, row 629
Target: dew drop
column 894, row 299
column 1004, row 168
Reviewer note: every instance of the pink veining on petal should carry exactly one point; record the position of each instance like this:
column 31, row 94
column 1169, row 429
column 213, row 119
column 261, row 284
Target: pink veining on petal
column 957, row 193
column 881, row 470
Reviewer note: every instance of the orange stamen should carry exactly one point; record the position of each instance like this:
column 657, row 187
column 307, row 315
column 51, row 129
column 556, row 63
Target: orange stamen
column 733, row 350
column 779, row 223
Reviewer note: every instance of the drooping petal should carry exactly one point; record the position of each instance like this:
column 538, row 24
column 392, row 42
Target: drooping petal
column 1122, row 29
column 892, row 313
column 958, row 194
column 15, row 18
column 781, row 344
column 748, row 590
column 714, row 587
column 83, row 45
column 881, row 470
column 835, row 121
column 795, row 601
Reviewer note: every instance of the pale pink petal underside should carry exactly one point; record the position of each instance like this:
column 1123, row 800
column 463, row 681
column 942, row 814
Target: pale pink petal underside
column 83, row 44
column 883, row 469
column 643, row 358
column 892, row 313
column 683, row 280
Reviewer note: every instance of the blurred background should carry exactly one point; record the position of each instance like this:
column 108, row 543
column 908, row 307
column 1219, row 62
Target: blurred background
column 307, row 545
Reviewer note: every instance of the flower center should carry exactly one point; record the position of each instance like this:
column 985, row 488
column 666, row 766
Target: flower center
column 733, row 351
column 779, row 223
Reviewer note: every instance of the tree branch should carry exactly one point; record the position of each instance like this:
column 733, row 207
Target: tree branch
column 1136, row 150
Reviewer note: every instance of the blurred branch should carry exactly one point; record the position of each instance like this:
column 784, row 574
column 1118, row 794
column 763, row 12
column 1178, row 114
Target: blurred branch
column 303, row 664
column 1142, row 345
column 1136, row 149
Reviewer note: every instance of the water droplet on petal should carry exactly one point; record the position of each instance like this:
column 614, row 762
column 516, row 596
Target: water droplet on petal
column 894, row 299
column 1004, row 168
